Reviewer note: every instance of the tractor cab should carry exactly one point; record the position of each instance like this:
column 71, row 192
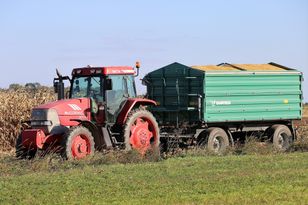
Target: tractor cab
column 107, row 87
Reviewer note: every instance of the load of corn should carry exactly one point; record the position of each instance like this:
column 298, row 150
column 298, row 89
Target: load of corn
column 15, row 107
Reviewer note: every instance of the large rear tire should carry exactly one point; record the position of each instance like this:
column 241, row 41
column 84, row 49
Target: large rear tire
column 141, row 132
column 282, row 137
column 22, row 152
column 78, row 143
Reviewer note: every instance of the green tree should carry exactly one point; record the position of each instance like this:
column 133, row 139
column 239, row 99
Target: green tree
column 15, row 86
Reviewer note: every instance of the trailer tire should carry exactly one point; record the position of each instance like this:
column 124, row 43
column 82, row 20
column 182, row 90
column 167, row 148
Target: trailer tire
column 201, row 141
column 77, row 143
column 22, row 152
column 141, row 132
column 282, row 137
column 217, row 140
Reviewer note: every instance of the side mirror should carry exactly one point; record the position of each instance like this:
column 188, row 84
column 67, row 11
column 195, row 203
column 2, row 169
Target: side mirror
column 108, row 84
column 55, row 86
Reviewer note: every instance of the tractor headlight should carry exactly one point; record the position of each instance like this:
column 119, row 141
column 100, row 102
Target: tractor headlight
column 38, row 115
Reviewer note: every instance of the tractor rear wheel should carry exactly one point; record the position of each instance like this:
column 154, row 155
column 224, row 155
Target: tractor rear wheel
column 141, row 132
column 78, row 143
column 23, row 152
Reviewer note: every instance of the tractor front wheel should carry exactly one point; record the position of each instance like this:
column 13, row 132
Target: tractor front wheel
column 141, row 132
column 78, row 143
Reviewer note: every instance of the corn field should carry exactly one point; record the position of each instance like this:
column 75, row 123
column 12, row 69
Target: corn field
column 15, row 107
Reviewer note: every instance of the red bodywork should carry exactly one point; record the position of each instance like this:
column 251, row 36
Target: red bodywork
column 33, row 138
column 70, row 111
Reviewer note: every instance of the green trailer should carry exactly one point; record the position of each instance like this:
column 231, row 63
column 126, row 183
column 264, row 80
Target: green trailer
column 195, row 102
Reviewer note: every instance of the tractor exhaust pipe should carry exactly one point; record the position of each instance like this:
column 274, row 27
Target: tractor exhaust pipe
column 58, row 84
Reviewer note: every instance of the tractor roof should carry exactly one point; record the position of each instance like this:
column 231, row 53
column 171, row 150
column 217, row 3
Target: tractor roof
column 107, row 70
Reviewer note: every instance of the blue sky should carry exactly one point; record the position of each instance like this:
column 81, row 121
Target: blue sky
column 38, row 36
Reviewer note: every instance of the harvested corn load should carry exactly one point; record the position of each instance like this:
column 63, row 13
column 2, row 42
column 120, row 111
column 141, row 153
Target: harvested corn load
column 214, row 68
column 242, row 67
column 259, row 67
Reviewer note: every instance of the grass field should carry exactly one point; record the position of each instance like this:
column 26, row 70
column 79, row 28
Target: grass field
column 244, row 179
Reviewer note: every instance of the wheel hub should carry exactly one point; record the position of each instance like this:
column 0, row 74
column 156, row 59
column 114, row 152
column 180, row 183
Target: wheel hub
column 141, row 135
column 280, row 140
column 216, row 144
column 80, row 147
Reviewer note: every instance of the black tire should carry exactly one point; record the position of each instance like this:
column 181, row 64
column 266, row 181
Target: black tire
column 148, row 143
column 22, row 152
column 217, row 140
column 282, row 137
column 201, row 142
column 77, row 143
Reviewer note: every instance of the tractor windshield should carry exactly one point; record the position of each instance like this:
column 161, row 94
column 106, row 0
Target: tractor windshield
column 87, row 86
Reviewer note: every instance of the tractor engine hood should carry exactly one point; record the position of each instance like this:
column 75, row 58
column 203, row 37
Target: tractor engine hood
column 66, row 110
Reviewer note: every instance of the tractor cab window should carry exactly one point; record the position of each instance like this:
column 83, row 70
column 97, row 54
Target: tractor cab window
column 116, row 96
column 129, row 80
column 87, row 87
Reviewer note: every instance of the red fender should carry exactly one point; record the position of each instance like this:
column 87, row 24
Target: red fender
column 129, row 105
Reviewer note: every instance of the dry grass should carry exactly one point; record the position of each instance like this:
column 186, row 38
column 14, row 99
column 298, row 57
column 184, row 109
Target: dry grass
column 301, row 144
column 15, row 107
column 305, row 111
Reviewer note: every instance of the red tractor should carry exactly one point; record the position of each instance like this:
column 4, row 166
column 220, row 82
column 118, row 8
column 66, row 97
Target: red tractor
column 101, row 111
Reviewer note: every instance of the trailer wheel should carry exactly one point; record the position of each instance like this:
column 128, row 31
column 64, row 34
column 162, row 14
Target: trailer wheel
column 201, row 142
column 217, row 140
column 78, row 143
column 141, row 132
column 22, row 152
column 282, row 137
